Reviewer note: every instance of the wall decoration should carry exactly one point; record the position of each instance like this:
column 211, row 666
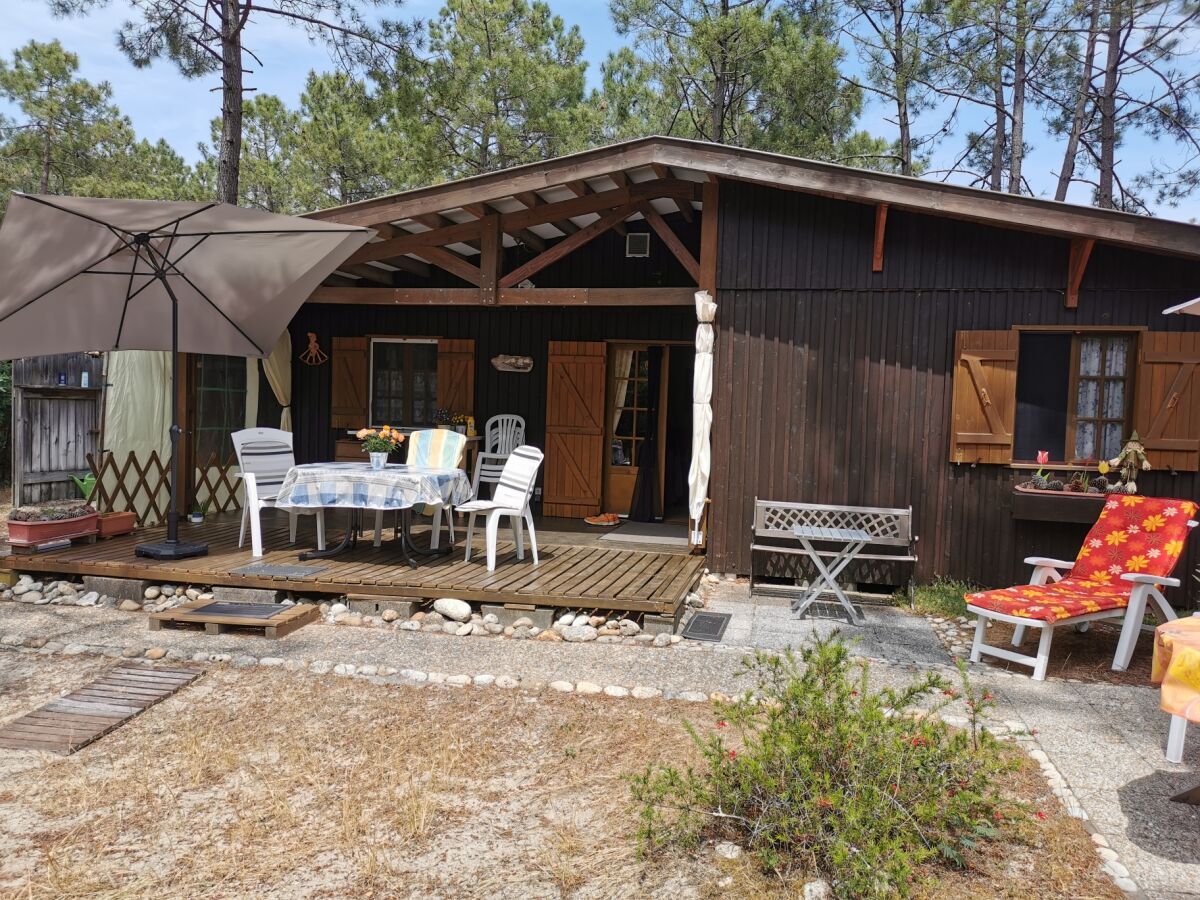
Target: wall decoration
column 506, row 363
column 314, row 355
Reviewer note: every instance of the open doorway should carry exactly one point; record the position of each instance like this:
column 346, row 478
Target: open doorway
column 648, row 431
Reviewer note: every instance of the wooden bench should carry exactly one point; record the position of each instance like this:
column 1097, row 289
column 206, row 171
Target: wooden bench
column 890, row 531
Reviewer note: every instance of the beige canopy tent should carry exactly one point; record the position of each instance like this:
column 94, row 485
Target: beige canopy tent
column 84, row 273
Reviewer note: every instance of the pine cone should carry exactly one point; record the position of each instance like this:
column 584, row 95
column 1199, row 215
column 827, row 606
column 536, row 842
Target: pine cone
column 1054, row 485
column 1100, row 482
column 1040, row 482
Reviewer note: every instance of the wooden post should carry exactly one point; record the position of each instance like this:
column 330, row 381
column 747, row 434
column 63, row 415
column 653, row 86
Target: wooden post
column 881, row 211
column 708, row 238
column 1081, row 252
column 491, row 252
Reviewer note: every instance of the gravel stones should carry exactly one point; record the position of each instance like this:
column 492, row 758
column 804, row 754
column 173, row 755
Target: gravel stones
column 389, row 615
column 661, row 640
column 588, row 687
column 563, row 687
column 152, row 593
column 156, row 653
column 452, row 608
column 129, row 606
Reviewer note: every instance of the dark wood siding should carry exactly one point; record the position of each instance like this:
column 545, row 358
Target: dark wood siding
column 522, row 332
column 833, row 382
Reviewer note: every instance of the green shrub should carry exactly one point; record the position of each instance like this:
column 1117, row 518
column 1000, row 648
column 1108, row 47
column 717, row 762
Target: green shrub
column 817, row 772
column 943, row 597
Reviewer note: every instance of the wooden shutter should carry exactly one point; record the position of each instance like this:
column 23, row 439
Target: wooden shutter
column 348, row 394
column 574, row 428
column 985, row 396
column 1166, row 409
column 456, row 375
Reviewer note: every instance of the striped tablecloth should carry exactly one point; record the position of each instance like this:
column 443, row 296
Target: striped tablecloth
column 358, row 486
column 1177, row 667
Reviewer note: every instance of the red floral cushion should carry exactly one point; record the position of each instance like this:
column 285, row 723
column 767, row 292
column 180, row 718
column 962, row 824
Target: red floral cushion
column 1054, row 602
column 1133, row 534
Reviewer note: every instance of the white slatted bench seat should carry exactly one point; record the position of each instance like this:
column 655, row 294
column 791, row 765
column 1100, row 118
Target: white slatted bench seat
column 889, row 530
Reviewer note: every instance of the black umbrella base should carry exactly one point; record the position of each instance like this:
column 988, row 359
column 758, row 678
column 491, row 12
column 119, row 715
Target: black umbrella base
column 171, row 550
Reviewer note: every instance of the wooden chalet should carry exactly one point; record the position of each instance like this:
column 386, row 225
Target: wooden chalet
column 880, row 341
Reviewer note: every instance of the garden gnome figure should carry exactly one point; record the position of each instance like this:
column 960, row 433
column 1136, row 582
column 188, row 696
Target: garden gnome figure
column 1130, row 461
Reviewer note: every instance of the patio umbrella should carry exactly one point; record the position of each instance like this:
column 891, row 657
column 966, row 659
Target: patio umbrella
column 702, row 379
column 1191, row 308
column 82, row 273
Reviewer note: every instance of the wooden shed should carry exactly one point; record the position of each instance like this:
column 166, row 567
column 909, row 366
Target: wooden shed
column 881, row 340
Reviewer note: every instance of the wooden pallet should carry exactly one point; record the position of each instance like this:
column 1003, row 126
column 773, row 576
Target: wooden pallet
column 86, row 715
column 287, row 620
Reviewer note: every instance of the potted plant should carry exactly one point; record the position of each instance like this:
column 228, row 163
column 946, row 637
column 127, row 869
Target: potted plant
column 461, row 421
column 199, row 511
column 113, row 524
column 442, row 417
column 378, row 444
column 56, row 520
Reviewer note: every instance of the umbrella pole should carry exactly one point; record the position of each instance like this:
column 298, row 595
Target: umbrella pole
column 172, row 547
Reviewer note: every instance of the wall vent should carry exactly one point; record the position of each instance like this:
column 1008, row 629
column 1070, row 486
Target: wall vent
column 637, row 243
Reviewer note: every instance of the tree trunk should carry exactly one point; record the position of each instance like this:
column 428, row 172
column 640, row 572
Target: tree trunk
column 1017, row 153
column 720, row 85
column 230, row 151
column 1083, row 94
column 1108, row 108
column 996, row 173
column 900, row 88
column 47, row 156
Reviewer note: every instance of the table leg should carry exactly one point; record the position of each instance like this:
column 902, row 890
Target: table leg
column 348, row 540
column 406, row 538
column 828, row 575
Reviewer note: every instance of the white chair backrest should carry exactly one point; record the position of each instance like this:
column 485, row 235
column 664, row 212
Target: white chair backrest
column 518, row 477
column 489, row 467
column 266, row 453
column 503, row 434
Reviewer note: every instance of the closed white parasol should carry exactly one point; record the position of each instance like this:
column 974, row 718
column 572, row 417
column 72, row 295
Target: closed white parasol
column 701, row 468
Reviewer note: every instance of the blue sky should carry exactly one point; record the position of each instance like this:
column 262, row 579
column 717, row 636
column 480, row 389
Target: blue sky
column 162, row 104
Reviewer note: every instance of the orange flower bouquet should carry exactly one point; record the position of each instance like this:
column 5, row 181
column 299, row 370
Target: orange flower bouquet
column 379, row 443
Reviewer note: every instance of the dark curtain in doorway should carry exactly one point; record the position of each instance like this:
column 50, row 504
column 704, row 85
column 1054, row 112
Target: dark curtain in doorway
column 646, row 505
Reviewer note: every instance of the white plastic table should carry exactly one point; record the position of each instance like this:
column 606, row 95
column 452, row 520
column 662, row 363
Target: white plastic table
column 852, row 541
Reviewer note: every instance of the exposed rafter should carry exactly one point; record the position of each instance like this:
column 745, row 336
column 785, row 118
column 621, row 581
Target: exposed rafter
column 684, row 206
column 566, row 245
column 532, row 200
column 581, row 188
column 881, row 213
column 523, row 235
column 453, row 263
column 1081, row 252
column 653, row 296
column 671, row 239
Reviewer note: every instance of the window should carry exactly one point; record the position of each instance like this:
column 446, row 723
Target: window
column 403, row 381
column 1074, row 396
column 631, row 407
column 220, row 405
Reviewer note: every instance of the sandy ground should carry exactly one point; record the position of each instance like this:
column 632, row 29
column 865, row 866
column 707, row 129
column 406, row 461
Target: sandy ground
column 268, row 783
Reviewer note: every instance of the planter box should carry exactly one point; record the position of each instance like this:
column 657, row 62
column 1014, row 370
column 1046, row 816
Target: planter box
column 116, row 523
column 1056, row 506
column 30, row 534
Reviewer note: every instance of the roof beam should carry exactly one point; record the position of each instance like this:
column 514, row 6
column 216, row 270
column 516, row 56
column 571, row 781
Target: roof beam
column 881, row 211
column 655, row 296
column 684, row 206
column 598, row 202
column 671, row 239
column 533, row 199
column 370, row 273
column 581, row 188
column 566, row 245
column 410, row 241
column 1081, row 252
column 524, row 235
column 454, row 264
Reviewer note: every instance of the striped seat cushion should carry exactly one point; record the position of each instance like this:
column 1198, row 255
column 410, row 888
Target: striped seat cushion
column 268, row 462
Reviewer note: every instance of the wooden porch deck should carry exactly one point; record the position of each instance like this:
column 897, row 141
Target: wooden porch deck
column 578, row 575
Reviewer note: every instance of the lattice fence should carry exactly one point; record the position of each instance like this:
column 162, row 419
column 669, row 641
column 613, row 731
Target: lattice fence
column 143, row 485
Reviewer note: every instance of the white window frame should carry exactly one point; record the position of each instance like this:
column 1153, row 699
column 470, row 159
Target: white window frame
column 371, row 371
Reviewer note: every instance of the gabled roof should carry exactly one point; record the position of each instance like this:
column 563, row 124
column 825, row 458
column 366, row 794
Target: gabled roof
column 671, row 163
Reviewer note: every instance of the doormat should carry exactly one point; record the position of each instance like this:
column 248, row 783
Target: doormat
column 267, row 570
column 707, row 626
column 662, row 533
column 242, row 610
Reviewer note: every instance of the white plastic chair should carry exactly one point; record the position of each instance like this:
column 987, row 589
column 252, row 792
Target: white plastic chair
column 511, row 499
column 264, row 456
column 502, row 434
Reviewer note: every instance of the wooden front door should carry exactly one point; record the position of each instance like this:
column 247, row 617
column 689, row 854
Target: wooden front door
column 574, row 428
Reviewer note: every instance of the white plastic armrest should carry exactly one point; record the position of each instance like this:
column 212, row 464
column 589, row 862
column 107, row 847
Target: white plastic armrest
column 1137, row 578
column 1051, row 563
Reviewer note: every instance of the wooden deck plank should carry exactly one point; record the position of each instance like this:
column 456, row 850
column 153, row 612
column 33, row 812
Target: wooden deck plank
column 573, row 575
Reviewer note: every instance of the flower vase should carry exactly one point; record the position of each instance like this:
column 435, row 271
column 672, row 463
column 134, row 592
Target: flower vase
column 379, row 459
